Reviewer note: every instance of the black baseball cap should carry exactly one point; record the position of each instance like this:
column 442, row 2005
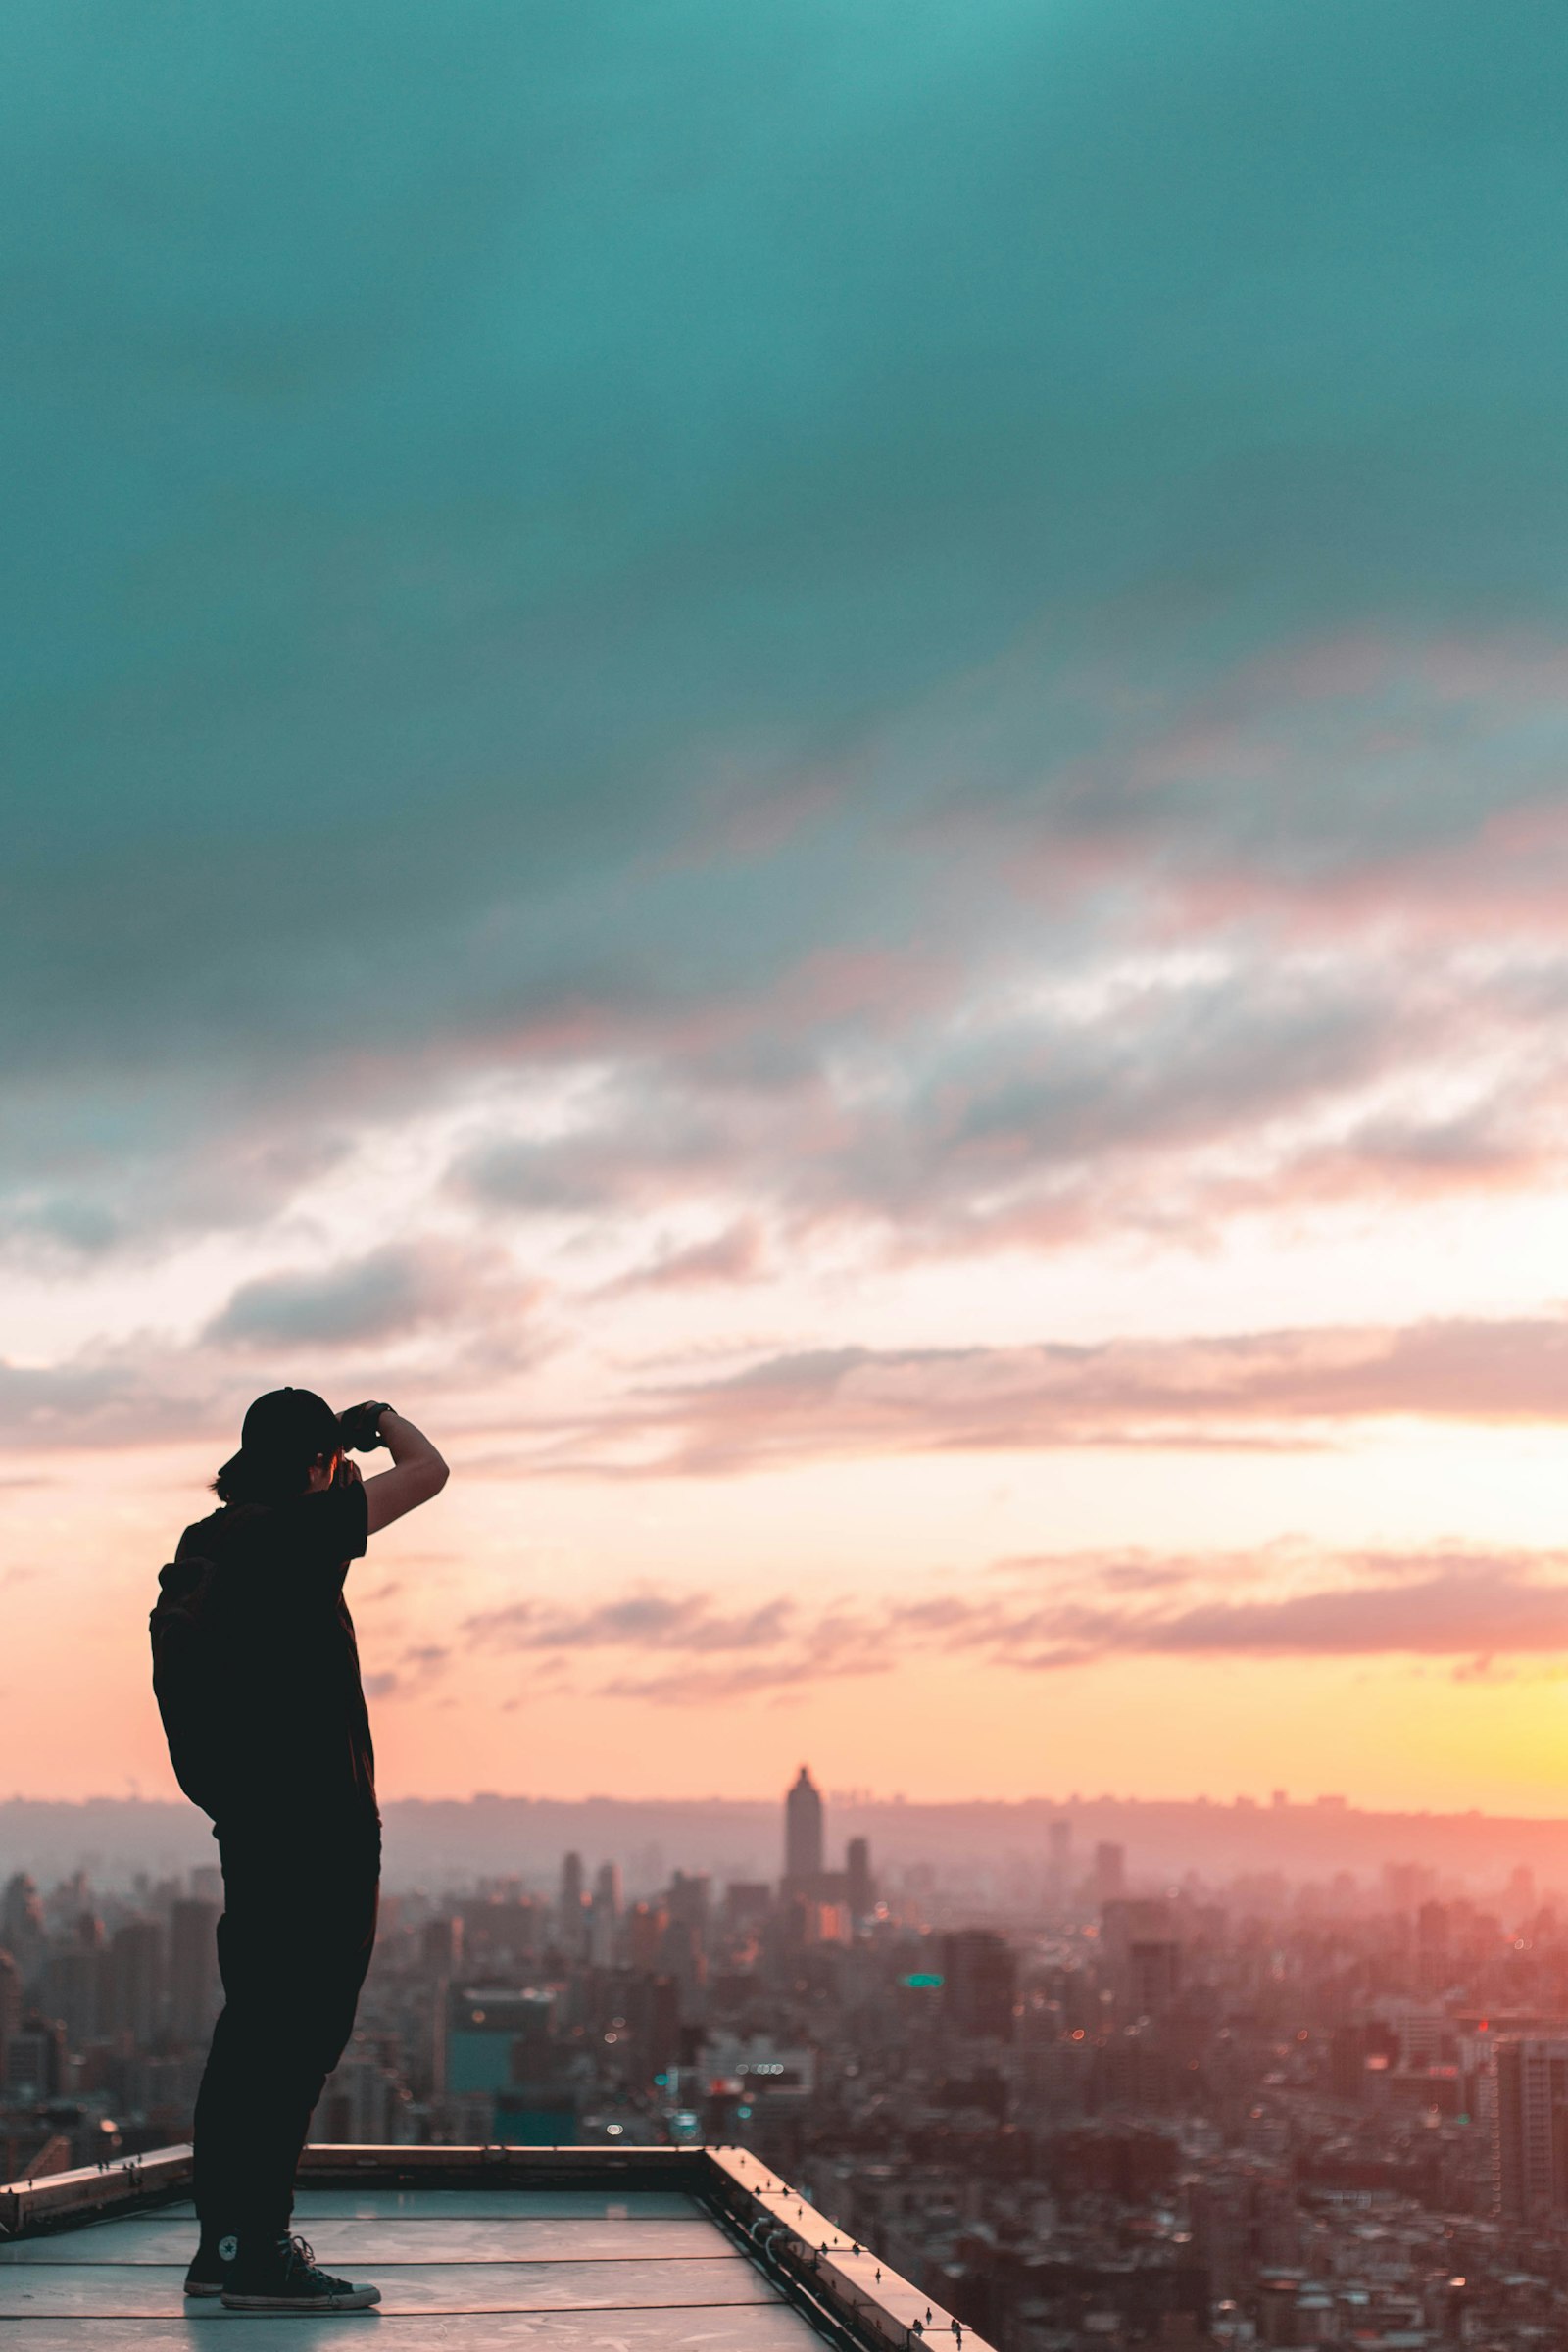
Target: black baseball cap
column 281, row 1436
column 293, row 1424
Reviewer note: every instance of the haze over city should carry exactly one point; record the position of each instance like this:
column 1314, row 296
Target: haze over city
column 809, row 771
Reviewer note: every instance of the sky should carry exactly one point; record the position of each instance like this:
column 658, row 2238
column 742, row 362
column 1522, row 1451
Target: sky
column 805, row 763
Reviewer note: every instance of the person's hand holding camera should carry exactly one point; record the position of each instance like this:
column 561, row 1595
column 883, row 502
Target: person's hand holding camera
column 417, row 1471
column 359, row 1428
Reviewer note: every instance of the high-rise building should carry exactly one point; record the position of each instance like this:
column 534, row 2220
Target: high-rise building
column 1530, row 2128
column 441, row 1946
column 573, row 1921
column 21, row 1928
column 748, row 1904
column 802, row 1830
column 979, row 1985
column 10, row 2005
column 1140, row 1946
column 604, row 1915
column 687, row 1901
column 645, row 1934
column 35, row 2058
column 365, row 2100
column 499, row 2044
column 494, row 2035
column 1111, row 1873
column 72, row 1988
column 861, row 1889
column 193, row 1986
column 1244, row 2217
column 653, row 2014
column 135, row 1980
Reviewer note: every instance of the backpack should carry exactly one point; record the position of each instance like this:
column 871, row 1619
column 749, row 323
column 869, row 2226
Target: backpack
column 188, row 1679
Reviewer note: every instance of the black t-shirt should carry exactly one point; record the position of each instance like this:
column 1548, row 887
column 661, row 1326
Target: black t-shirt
column 286, row 1729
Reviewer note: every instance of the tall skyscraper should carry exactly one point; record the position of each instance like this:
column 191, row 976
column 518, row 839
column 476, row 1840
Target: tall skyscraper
column 803, row 1829
column 604, row 1915
column 858, row 1871
column 1531, row 2126
column 572, row 1923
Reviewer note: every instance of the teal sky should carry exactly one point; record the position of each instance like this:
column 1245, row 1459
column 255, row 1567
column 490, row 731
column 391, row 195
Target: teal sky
column 716, row 710
column 445, row 446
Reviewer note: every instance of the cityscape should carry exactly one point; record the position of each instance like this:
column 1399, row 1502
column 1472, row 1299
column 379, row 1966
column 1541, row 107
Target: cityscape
column 1269, row 2110
column 784, row 1175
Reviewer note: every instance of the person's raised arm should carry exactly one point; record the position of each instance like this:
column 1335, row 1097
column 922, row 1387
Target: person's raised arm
column 417, row 1471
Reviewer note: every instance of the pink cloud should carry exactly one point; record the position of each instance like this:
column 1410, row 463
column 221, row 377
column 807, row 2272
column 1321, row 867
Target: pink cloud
column 1056, row 1613
column 1283, row 1388
column 736, row 1254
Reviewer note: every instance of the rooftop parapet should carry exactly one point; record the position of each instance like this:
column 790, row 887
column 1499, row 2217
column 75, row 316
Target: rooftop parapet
column 80, row 2249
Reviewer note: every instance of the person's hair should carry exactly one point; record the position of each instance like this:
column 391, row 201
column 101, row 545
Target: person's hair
column 283, row 1434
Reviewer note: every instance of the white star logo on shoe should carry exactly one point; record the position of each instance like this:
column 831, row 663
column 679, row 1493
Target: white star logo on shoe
column 227, row 2247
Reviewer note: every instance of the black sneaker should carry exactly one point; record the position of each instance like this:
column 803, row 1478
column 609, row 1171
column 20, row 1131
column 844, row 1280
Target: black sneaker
column 280, row 2274
column 213, row 2263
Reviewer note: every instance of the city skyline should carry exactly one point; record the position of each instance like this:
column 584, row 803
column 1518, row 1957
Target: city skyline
column 1229, row 2110
column 807, row 769
column 982, row 1853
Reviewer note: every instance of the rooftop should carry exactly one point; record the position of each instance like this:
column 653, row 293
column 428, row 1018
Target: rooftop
column 566, row 2250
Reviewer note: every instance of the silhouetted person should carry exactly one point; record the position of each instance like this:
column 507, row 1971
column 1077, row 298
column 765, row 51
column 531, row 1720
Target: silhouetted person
column 258, row 1681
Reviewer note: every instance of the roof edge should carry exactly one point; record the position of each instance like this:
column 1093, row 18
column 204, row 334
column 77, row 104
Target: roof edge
column 849, row 2295
column 807, row 2255
column 117, row 2185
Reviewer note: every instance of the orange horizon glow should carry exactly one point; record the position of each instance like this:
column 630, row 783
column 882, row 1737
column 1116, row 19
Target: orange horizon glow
column 834, row 819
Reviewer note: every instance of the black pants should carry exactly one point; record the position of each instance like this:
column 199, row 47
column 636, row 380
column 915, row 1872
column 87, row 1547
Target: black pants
column 293, row 1945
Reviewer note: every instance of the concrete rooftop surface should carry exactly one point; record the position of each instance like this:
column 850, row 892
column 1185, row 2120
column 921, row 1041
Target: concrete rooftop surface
column 714, row 2262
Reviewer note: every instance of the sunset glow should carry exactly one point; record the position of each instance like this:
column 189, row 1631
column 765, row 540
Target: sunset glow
column 810, row 771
